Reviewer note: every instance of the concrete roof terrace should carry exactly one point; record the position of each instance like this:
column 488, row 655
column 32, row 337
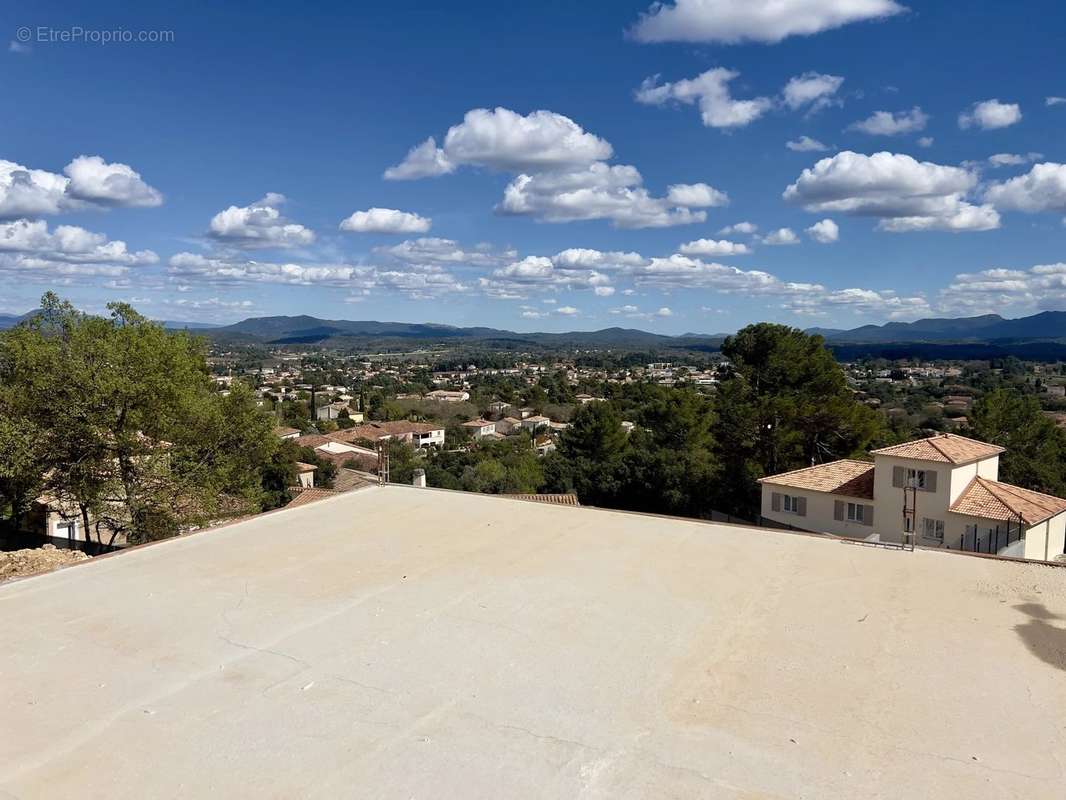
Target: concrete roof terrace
column 404, row 643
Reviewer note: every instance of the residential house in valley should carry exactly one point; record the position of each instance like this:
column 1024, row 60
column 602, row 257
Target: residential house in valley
column 942, row 491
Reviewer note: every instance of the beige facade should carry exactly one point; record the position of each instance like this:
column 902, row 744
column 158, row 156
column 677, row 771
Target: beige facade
column 922, row 495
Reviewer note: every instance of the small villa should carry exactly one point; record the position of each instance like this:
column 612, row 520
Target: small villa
column 942, row 491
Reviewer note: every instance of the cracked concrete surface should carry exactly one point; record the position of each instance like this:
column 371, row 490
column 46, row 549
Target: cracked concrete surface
column 402, row 643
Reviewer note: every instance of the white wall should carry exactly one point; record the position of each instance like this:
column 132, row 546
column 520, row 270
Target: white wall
column 1046, row 540
column 819, row 517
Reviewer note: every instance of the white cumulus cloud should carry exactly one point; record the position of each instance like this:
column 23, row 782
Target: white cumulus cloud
column 782, row 236
column 824, row 232
column 710, row 92
column 89, row 182
column 811, row 89
column 65, row 252
column 905, row 194
column 990, row 115
column 95, row 181
column 385, row 220
column 805, row 144
column 504, row 140
column 746, row 228
column 696, row 195
column 259, row 225
column 598, row 191
column 766, row 21
column 892, row 123
column 712, row 247
column 1042, row 188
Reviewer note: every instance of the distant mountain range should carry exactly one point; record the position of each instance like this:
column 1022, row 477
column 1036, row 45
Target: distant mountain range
column 340, row 333
column 986, row 328
column 10, row 320
column 1041, row 336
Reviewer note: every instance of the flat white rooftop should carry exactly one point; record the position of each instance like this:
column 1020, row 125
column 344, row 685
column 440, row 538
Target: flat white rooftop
column 404, row 643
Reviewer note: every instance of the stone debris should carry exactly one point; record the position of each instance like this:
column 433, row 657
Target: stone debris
column 31, row 561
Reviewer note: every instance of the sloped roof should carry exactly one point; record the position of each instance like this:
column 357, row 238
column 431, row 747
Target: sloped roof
column 1002, row 501
column 847, row 476
column 551, row 499
column 309, row 496
column 948, row 448
column 302, row 467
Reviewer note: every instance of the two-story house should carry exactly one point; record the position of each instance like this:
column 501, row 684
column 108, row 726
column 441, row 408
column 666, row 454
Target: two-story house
column 937, row 492
column 480, row 428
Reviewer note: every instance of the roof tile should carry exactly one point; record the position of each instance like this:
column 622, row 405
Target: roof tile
column 948, row 448
column 847, row 476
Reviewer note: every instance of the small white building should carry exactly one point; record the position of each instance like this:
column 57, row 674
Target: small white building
column 508, row 425
column 305, row 475
column 332, row 411
column 446, row 396
column 532, row 424
column 937, row 492
column 480, row 428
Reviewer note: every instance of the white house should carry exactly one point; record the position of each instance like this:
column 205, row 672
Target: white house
column 305, row 475
column 480, row 428
column 446, row 396
column 937, row 492
column 534, row 422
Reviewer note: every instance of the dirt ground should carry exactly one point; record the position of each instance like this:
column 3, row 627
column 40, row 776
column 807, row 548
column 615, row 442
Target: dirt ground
column 31, row 561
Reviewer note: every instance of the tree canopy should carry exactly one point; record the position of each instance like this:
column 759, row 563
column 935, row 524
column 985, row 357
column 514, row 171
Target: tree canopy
column 116, row 417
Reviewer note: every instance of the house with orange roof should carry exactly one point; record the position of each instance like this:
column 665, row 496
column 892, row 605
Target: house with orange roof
column 942, row 491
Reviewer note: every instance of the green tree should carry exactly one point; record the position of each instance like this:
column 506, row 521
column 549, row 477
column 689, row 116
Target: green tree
column 1036, row 448
column 593, row 445
column 133, row 434
column 785, row 405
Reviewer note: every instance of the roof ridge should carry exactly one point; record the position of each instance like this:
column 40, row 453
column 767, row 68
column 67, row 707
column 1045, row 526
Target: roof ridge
column 932, row 443
column 1026, row 495
column 984, row 483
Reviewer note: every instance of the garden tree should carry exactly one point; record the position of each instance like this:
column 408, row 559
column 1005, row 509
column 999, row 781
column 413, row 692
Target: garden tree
column 403, row 460
column 278, row 474
column 593, row 446
column 22, row 460
column 296, row 414
column 1036, row 447
column 670, row 465
column 785, row 405
column 536, row 397
column 133, row 434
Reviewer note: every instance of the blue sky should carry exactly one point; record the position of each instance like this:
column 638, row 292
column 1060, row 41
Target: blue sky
column 590, row 161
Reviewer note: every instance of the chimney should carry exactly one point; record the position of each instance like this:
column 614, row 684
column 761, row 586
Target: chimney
column 419, row 479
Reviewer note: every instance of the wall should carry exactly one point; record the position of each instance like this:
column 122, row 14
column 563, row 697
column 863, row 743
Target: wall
column 1046, row 540
column 889, row 498
column 819, row 517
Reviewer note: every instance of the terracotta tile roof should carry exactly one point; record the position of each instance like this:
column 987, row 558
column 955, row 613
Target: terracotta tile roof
column 995, row 500
column 302, row 467
column 348, row 479
column 552, row 499
column 380, row 430
column 309, row 496
column 285, row 431
column 311, row 440
column 949, row 448
column 847, row 476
